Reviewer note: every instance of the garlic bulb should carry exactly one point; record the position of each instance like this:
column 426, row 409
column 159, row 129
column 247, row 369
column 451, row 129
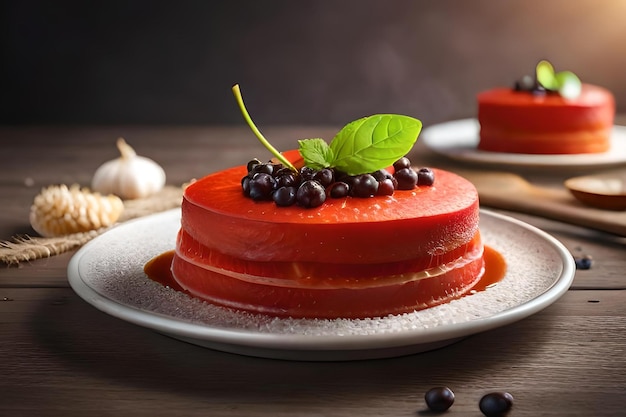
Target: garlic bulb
column 130, row 176
column 59, row 211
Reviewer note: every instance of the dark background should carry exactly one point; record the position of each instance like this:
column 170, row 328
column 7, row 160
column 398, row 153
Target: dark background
column 298, row 62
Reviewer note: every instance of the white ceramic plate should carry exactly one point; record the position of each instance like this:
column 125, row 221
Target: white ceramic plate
column 108, row 273
column 459, row 140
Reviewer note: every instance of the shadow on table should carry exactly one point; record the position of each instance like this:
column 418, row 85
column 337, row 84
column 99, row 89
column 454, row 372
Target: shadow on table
column 92, row 344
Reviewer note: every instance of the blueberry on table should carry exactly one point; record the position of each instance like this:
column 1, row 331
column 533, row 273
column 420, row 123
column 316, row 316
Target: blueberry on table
column 496, row 404
column 583, row 262
column 439, row 398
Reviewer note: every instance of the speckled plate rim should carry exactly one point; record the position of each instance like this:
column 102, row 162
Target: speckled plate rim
column 458, row 140
column 163, row 227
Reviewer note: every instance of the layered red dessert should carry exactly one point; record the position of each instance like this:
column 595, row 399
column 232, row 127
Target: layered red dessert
column 560, row 116
column 523, row 122
column 342, row 230
column 349, row 257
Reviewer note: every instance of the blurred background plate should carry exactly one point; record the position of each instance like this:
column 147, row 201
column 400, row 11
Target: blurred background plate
column 458, row 140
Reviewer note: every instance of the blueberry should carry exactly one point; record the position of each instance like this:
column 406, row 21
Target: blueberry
column 526, row 83
column 364, row 185
column 401, row 163
column 496, row 404
column 262, row 186
column 284, row 196
column 287, row 179
column 252, row 164
column 439, row 398
column 245, row 185
column 425, row 177
column 262, row 169
column 583, row 262
column 381, row 174
column 538, row 90
column 386, row 186
column 338, row 189
column 310, row 194
column 345, row 178
column 307, row 173
column 282, row 171
column 324, row 176
column 407, row 178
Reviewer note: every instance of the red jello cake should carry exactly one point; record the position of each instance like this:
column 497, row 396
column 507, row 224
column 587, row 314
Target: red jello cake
column 532, row 119
column 348, row 257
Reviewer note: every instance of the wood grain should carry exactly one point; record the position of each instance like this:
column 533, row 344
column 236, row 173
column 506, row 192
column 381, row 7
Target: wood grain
column 509, row 191
column 83, row 360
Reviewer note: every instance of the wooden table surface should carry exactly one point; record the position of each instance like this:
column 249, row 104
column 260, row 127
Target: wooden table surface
column 62, row 357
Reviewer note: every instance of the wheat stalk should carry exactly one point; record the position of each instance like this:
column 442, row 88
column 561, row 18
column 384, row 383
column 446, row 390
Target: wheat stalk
column 28, row 248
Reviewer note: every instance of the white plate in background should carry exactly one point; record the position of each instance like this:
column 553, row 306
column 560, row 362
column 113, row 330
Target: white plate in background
column 458, row 140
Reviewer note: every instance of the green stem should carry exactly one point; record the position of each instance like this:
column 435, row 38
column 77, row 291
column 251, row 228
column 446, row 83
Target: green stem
column 256, row 131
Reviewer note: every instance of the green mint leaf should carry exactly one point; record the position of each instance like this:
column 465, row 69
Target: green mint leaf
column 565, row 82
column 569, row 84
column 546, row 76
column 316, row 153
column 373, row 142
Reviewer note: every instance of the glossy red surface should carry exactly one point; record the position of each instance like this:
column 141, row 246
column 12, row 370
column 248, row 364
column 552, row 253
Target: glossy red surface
column 425, row 221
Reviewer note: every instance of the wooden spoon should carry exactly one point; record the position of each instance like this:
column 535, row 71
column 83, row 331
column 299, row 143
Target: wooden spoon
column 606, row 191
column 511, row 192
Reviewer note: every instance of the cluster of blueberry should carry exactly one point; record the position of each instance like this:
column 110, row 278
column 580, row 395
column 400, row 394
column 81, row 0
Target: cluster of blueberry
column 309, row 187
column 530, row 84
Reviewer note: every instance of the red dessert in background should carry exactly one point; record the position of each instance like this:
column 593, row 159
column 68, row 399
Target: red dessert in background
column 350, row 257
column 525, row 122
